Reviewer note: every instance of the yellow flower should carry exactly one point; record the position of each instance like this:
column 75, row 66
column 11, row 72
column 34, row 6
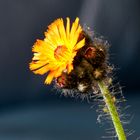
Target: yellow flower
column 56, row 52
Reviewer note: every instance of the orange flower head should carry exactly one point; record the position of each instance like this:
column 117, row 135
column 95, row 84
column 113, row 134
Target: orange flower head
column 56, row 52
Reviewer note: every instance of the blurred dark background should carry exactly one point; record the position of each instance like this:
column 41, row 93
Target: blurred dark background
column 30, row 110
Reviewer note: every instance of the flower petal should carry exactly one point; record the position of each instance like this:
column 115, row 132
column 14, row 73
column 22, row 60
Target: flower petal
column 80, row 44
column 42, row 70
column 69, row 68
column 50, row 77
column 68, row 28
column 73, row 28
column 62, row 30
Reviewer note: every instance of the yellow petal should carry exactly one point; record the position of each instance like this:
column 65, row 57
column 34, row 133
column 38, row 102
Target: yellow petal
column 53, row 27
column 80, row 44
column 62, row 30
column 36, row 56
column 42, row 70
column 50, row 77
column 69, row 68
column 76, row 36
column 68, row 28
column 59, row 71
column 51, row 39
column 73, row 28
column 37, row 46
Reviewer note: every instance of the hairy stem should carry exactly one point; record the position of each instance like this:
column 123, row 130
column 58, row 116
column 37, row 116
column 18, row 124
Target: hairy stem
column 112, row 111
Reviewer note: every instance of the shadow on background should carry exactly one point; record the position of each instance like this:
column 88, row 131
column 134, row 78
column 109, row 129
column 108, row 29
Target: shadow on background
column 29, row 110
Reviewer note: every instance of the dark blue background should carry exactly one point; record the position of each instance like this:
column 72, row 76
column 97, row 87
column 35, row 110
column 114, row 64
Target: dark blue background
column 30, row 110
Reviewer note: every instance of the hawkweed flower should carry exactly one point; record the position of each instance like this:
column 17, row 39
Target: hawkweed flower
column 77, row 62
column 56, row 52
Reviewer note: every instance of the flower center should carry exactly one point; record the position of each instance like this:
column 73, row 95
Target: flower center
column 59, row 52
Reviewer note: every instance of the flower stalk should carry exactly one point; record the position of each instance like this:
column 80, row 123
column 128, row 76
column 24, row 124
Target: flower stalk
column 112, row 111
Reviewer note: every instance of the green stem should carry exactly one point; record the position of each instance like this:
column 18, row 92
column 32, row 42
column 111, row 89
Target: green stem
column 112, row 111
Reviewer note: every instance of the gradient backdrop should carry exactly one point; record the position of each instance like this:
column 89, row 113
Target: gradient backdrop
column 29, row 110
